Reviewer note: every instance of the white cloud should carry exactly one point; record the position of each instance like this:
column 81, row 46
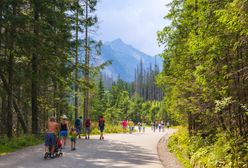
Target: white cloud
column 134, row 21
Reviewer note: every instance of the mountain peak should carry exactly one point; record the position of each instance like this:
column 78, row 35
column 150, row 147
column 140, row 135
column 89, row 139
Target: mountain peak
column 125, row 59
column 117, row 41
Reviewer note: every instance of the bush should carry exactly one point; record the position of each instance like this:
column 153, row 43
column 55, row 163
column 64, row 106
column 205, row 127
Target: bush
column 226, row 151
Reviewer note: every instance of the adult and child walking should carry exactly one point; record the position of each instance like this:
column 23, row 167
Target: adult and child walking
column 57, row 134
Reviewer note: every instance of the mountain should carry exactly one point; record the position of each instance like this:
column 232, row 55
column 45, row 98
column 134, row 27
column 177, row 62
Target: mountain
column 125, row 59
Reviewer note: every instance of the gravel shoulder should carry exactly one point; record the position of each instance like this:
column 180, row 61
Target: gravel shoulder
column 137, row 150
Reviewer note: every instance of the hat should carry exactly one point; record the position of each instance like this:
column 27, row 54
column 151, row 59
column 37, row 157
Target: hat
column 64, row 117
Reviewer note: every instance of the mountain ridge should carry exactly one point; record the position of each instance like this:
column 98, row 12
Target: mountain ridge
column 125, row 59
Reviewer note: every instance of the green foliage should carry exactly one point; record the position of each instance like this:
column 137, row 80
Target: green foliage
column 224, row 150
column 11, row 145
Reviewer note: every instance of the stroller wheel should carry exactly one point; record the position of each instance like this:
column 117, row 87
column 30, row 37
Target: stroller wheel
column 46, row 155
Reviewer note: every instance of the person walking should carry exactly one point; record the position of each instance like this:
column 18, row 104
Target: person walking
column 144, row 126
column 101, row 125
column 124, row 126
column 168, row 124
column 139, row 126
column 162, row 125
column 87, row 128
column 64, row 129
column 50, row 137
column 78, row 126
column 154, row 126
column 73, row 137
column 159, row 127
column 130, row 125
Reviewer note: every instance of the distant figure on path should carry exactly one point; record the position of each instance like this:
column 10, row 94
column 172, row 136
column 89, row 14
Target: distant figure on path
column 159, row 127
column 50, row 137
column 78, row 126
column 130, row 125
column 101, row 125
column 144, row 127
column 124, row 126
column 73, row 137
column 64, row 129
column 87, row 128
column 139, row 126
column 168, row 124
column 154, row 126
column 162, row 125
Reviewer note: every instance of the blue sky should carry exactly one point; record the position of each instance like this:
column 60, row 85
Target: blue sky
column 136, row 22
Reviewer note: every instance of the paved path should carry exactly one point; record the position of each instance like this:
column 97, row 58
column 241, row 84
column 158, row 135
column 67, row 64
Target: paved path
column 138, row 150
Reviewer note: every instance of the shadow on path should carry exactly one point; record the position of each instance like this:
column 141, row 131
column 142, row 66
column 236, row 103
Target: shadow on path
column 89, row 154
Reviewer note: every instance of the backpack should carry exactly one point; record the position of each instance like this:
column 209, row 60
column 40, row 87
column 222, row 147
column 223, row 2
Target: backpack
column 101, row 123
column 87, row 123
column 77, row 123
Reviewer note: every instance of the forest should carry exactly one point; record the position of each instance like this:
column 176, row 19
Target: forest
column 203, row 86
column 47, row 68
column 205, row 80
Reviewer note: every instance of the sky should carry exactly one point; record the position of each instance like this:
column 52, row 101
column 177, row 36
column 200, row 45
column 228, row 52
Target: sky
column 136, row 22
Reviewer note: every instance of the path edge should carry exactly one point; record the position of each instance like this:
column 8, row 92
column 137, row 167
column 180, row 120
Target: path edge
column 167, row 159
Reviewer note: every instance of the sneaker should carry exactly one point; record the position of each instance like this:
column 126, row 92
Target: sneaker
column 52, row 156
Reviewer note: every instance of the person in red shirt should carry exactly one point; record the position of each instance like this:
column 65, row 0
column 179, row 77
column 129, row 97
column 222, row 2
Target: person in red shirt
column 101, row 125
column 124, row 126
column 87, row 128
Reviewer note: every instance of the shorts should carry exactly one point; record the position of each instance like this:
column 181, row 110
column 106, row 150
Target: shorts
column 79, row 130
column 73, row 139
column 50, row 139
column 63, row 133
column 87, row 130
column 101, row 129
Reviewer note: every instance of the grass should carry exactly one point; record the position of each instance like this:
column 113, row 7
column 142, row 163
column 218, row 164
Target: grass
column 10, row 145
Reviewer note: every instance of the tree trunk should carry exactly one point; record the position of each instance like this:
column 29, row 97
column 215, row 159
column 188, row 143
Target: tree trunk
column 34, row 90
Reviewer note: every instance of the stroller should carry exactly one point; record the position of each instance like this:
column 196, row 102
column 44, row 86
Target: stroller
column 57, row 149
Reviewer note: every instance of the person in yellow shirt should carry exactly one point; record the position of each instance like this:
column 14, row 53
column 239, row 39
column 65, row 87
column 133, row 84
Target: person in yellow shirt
column 131, row 126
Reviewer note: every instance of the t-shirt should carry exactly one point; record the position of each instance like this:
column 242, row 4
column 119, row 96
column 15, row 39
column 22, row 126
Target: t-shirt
column 78, row 123
column 73, row 134
column 124, row 123
column 101, row 122
column 87, row 123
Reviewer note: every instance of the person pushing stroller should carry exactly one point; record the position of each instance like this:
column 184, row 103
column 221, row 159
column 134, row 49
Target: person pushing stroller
column 50, row 137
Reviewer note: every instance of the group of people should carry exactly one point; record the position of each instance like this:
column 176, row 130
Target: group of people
column 142, row 125
column 159, row 125
column 130, row 125
column 63, row 130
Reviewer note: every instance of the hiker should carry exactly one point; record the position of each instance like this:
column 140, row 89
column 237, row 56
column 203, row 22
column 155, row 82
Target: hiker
column 64, row 129
column 144, row 127
column 124, row 126
column 168, row 124
column 130, row 125
column 50, row 137
column 101, row 125
column 154, row 126
column 139, row 126
column 87, row 128
column 162, row 125
column 73, row 137
column 78, row 126
column 159, row 127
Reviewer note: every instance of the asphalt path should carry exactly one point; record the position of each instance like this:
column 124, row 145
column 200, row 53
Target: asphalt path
column 138, row 150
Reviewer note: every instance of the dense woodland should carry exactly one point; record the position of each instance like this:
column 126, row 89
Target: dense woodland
column 42, row 72
column 205, row 76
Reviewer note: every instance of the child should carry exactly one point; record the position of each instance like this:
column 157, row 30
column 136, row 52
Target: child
column 73, row 136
